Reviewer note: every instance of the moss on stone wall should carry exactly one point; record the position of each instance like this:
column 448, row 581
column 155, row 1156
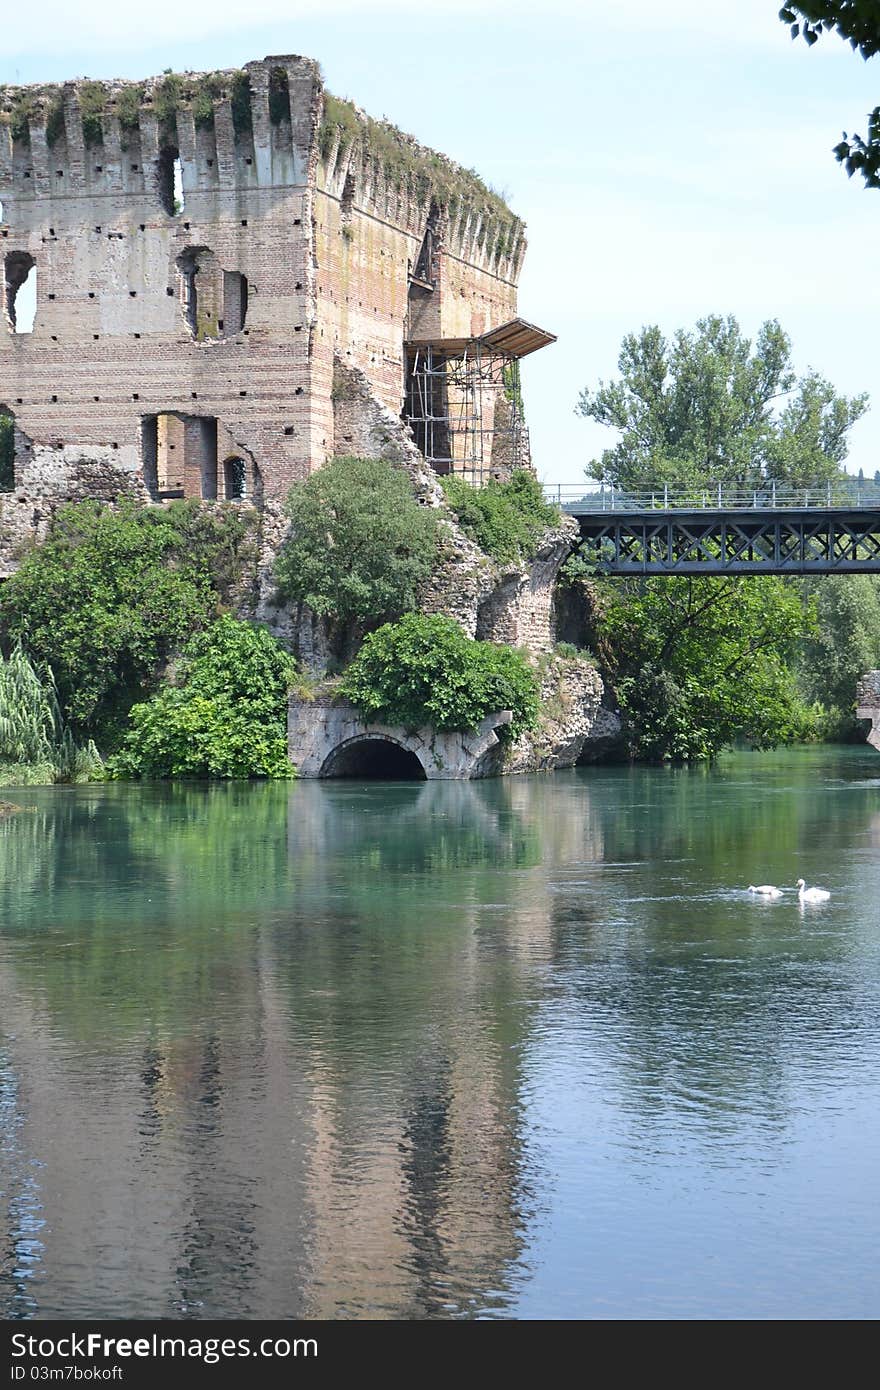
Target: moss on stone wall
column 420, row 171
column 173, row 92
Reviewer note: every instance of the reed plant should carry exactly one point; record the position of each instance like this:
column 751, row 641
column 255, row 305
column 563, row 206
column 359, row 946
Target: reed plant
column 34, row 740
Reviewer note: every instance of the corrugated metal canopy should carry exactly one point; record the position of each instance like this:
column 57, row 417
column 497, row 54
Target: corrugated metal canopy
column 517, row 338
column 514, row 339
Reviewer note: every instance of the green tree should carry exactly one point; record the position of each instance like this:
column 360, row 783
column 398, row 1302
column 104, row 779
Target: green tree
column 702, row 408
column 360, row 544
column 112, row 594
column 225, row 715
column 7, row 451
column 698, row 662
column 424, row 670
column 857, row 21
column 845, row 644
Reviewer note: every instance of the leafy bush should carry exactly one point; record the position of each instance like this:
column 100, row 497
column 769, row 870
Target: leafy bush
column 34, row 743
column 425, row 671
column 360, row 545
column 112, row 594
column 225, row 716
column 506, row 520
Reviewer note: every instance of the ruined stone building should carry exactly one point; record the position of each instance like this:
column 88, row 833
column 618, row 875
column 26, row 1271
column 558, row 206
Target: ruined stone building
column 238, row 276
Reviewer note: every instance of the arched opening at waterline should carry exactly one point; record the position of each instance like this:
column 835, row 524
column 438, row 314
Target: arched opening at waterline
column 374, row 759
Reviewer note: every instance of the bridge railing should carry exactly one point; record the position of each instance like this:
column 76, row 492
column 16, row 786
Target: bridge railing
column 602, row 497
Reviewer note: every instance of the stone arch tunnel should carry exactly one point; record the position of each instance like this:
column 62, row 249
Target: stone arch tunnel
column 367, row 756
column 327, row 737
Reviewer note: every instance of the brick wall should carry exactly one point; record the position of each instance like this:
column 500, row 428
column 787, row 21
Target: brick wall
column 299, row 247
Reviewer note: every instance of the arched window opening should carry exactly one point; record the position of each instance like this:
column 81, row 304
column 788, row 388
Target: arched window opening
column 170, row 181
column 201, row 292
column 234, row 480
column 374, row 759
column 20, row 273
column 7, row 450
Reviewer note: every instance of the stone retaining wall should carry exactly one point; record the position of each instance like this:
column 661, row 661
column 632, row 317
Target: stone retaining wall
column 868, row 705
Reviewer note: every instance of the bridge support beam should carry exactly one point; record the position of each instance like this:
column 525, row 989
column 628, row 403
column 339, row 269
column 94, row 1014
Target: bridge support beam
column 745, row 541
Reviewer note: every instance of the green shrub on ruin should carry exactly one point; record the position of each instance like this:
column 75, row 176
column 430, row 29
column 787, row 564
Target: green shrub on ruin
column 506, row 520
column 55, row 119
column 92, row 104
column 206, row 92
column 128, row 107
column 112, row 594
column 360, row 545
column 168, row 95
column 224, row 714
column 22, row 111
column 424, row 670
column 240, row 99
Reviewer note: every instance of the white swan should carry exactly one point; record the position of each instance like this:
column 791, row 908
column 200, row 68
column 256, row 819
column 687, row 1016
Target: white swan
column 766, row 890
column 812, row 895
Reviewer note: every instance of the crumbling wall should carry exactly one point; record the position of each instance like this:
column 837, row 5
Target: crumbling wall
column 86, row 184
column 868, row 705
column 377, row 193
column 292, row 239
column 572, row 719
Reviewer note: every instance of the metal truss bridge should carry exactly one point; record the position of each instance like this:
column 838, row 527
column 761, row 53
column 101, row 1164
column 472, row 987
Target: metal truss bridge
column 723, row 531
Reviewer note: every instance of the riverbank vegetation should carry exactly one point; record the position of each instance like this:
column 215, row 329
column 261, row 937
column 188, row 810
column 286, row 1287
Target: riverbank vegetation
column 222, row 711
column 697, row 662
column 123, row 616
column 36, row 746
column 112, row 595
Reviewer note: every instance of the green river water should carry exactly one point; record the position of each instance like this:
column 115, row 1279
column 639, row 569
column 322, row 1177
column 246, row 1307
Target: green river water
column 513, row 1048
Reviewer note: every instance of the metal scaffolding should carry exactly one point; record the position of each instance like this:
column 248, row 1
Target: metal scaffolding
column 463, row 401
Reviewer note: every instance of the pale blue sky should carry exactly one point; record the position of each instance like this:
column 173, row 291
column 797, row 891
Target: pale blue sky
column 670, row 160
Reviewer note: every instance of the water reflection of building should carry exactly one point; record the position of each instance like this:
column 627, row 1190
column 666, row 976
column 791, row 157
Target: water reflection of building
column 291, row 1093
